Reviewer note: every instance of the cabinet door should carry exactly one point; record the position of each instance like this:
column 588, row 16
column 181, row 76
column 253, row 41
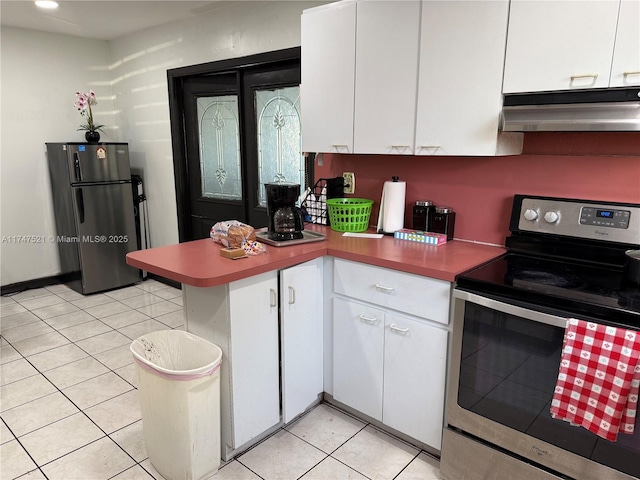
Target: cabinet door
column 387, row 43
column 415, row 359
column 301, row 336
column 328, row 73
column 460, row 81
column 358, row 343
column 254, row 356
column 625, row 70
column 560, row 45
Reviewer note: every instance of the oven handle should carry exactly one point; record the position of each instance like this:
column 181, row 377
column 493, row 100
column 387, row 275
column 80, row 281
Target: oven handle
column 511, row 309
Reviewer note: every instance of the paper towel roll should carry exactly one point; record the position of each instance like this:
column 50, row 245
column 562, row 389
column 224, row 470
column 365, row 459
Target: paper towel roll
column 391, row 216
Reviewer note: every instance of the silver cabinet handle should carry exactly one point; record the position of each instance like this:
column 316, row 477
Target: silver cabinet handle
column 398, row 329
column 292, row 296
column 429, row 147
column 364, row 318
column 401, row 148
column 384, row 289
column 274, row 298
column 338, row 146
column 632, row 72
column 586, row 75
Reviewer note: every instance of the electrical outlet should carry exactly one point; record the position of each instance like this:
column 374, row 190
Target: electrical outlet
column 349, row 182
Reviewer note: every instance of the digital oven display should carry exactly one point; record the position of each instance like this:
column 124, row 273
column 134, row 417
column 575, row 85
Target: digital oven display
column 605, row 213
column 605, row 217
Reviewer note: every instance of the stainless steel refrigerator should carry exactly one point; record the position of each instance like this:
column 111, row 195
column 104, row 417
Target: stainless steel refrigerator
column 94, row 211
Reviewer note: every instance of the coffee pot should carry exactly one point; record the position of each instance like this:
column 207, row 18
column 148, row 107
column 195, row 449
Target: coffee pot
column 286, row 221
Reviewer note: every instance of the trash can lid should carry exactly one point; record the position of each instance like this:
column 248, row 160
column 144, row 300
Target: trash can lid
column 176, row 352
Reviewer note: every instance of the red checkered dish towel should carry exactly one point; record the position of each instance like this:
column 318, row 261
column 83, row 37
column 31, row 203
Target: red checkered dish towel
column 599, row 378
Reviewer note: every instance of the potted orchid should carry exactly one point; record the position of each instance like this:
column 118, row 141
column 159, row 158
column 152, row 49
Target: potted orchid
column 84, row 101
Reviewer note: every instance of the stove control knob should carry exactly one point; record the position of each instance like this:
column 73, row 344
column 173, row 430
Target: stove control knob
column 530, row 214
column 551, row 217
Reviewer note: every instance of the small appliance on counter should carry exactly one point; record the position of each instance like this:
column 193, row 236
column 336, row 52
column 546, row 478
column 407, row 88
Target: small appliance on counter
column 285, row 219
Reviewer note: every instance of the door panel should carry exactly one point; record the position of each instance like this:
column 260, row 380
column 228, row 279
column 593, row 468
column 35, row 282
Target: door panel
column 358, row 356
column 415, row 359
column 279, row 142
column 219, row 131
column 242, row 129
column 99, row 163
column 106, row 233
column 301, row 337
column 254, row 355
column 213, row 151
column 273, row 143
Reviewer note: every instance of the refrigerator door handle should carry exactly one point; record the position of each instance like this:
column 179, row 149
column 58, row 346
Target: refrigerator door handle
column 76, row 159
column 80, row 202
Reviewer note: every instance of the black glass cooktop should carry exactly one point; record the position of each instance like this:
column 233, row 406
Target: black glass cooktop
column 578, row 288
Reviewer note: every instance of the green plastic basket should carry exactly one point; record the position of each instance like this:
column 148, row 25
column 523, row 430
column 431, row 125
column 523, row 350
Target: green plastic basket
column 349, row 214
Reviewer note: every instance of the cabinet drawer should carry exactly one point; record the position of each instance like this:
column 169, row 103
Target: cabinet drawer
column 420, row 296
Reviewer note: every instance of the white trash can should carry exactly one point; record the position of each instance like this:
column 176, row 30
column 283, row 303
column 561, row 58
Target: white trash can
column 179, row 389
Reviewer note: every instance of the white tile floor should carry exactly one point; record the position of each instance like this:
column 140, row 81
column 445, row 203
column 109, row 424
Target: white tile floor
column 69, row 403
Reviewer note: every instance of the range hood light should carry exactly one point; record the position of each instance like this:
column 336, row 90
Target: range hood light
column 48, row 4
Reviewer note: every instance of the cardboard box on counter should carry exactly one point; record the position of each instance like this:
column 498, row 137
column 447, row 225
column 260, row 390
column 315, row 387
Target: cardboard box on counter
column 420, row 237
column 233, row 253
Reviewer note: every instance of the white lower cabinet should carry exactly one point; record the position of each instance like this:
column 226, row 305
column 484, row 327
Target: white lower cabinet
column 261, row 331
column 415, row 357
column 301, row 337
column 358, row 356
column 390, row 367
column 242, row 319
column 390, row 334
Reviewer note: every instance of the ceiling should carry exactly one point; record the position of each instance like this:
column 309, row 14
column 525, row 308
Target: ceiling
column 99, row 19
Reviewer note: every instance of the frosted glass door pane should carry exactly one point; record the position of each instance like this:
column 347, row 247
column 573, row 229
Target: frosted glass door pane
column 219, row 147
column 280, row 156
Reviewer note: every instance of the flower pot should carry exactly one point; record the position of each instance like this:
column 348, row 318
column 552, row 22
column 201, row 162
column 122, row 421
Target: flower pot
column 92, row 136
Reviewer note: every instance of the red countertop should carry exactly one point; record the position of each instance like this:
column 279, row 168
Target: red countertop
column 199, row 263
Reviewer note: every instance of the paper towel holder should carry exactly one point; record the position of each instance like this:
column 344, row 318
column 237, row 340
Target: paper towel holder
column 383, row 225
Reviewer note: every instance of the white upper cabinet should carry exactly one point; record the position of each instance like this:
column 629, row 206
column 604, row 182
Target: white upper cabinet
column 568, row 45
column 405, row 78
column 460, row 81
column 625, row 69
column 386, row 76
column 328, row 76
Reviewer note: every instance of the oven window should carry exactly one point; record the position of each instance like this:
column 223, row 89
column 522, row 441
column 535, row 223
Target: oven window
column 508, row 372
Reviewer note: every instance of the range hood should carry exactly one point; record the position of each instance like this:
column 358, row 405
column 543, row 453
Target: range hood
column 610, row 110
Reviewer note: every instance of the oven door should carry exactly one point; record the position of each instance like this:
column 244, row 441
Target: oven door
column 503, row 371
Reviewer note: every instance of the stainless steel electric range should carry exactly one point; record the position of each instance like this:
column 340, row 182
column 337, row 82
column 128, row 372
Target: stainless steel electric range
column 565, row 259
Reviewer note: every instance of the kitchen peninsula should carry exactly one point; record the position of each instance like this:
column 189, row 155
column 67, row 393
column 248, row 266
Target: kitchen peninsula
column 273, row 315
column 198, row 263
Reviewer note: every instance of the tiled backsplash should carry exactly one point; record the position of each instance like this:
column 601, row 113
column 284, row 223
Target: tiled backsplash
column 600, row 166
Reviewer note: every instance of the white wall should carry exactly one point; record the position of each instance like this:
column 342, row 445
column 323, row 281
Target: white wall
column 40, row 74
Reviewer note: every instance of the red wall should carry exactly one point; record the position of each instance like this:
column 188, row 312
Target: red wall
column 598, row 166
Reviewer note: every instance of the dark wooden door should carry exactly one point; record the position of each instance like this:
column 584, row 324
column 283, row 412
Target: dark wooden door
column 237, row 129
column 212, row 125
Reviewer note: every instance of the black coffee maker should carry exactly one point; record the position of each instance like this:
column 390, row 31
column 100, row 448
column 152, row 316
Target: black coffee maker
column 285, row 219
